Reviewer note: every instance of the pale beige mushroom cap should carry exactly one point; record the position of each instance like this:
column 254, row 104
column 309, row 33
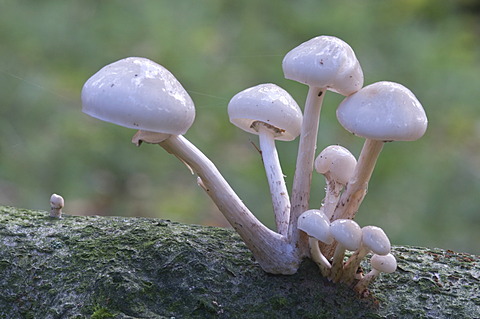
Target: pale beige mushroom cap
column 315, row 224
column 324, row 62
column 270, row 104
column 140, row 94
column 384, row 111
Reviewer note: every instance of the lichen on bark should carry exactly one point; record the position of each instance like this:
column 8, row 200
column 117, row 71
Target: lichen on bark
column 117, row 267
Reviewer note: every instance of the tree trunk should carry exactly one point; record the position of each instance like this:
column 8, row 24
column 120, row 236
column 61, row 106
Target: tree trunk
column 114, row 267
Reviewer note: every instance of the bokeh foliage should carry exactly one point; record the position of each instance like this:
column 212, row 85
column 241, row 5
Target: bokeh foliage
column 422, row 193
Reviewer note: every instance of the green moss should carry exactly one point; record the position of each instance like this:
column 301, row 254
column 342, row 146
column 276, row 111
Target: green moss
column 136, row 267
column 101, row 313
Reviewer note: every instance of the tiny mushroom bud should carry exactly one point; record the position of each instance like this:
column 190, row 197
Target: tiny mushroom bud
column 348, row 236
column 380, row 112
column 373, row 240
column 323, row 63
column 337, row 164
column 386, row 263
column 317, row 226
column 56, row 205
column 270, row 112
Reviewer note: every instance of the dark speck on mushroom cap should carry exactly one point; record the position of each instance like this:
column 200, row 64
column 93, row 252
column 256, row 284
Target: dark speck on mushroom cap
column 140, row 94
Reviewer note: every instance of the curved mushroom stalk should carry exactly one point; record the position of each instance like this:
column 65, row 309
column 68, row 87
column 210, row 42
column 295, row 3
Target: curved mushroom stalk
column 272, row 251
column 323, row 63
column 276, row 180
column 270, row 112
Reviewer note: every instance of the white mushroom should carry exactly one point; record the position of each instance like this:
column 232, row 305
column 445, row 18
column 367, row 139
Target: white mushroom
column 323, row 63
column 317, row 226
column 270, row 112
column 386, row 264
column 348, row 236
column 337, row 164
column 380, row 112
column 56, row 204
column 160, row 102
column 373, row 240
column 138, row 93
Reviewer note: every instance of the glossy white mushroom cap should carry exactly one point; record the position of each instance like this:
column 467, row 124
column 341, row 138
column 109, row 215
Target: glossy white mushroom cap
column 383, row 111
column 140, row 94
column 347, row 233
column 270, row 104
column 386, row 263
column 324, row 62
column 375, row 239
column 336, row 161
column 316, row 224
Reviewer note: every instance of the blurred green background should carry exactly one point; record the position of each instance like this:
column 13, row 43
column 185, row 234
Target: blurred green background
column 422, row 193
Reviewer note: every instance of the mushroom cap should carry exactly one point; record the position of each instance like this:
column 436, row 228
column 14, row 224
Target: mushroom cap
column 337, row 161
column 375, row 239
column 140, row 94
column 57, row 201
column 316, row 224
column 270, row 104
column 324, row 62
column 386, row 263
column 347, row 233
column 383, row 111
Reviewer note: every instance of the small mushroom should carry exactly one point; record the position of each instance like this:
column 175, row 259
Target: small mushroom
column 373, row 239
column 56, row 204
column 380, row 112
column 323, row 63
column 348, row 236
column 337, row 164
column 317, row 226
column 386, row 264
column 270, row 112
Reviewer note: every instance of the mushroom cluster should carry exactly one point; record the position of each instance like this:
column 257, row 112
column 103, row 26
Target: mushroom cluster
column 138, row 93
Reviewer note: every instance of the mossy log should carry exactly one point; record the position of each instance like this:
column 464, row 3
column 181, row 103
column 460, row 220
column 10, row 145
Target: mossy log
column 115, row 267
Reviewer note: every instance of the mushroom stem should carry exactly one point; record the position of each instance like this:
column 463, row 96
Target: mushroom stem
column 337, row 263
column 304, row 167
column 271, row 250
column 363, row 283
column 276, row 181
column 332, row 196
column 352, row 264
column 318, row 257
column 357, row 186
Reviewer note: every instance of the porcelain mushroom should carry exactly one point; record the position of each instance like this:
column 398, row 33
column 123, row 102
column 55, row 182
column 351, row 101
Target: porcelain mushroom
column 56, row 204
column 141, row 94
column 337, row 164
column 348, row 236
column 317, row 226
column 323, row 63
column 380, row 112
column 386, row 264
column 373, row 239
column 270, row 112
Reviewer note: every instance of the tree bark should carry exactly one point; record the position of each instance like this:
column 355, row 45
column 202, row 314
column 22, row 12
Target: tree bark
column 115, row 267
